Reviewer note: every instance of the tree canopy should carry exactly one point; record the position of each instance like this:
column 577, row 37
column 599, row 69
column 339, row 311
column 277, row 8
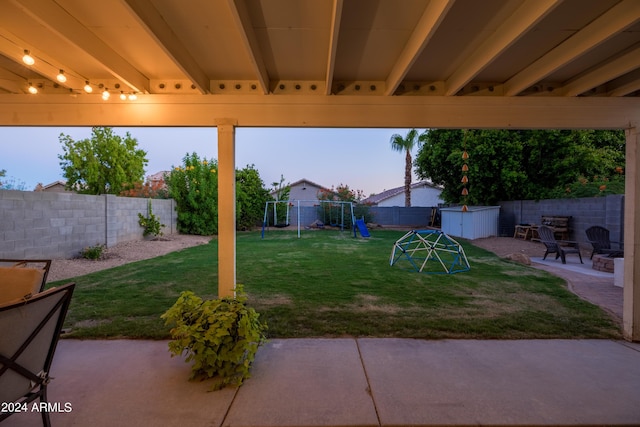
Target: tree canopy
column 103, row 164
column 523, row 164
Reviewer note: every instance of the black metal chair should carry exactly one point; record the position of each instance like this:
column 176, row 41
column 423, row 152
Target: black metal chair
column 560, row 247
column 599, row 238
column 29, row 332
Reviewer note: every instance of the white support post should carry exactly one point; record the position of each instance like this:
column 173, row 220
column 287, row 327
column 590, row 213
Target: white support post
column 226, row 210
column 631, row 303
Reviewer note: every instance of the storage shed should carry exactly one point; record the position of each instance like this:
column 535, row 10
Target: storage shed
column 475, row 223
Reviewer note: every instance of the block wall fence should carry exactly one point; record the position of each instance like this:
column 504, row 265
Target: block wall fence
column 59, row 225
column 605, row 211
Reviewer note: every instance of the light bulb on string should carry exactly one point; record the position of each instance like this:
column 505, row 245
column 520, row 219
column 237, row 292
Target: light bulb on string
column 32, row 89
column 133, row 97
column 27, row 58
column 123, row 97
column 87, row 87
column 61, row 77
column 105, row 94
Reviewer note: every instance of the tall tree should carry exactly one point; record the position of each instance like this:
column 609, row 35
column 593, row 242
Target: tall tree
column 103, row 164
column 521, row 164
column 406, row 144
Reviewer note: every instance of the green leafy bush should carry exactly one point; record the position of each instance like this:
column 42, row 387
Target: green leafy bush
column 92, row 252
column 194, row 187
column 250, row 198
column 150, row 223
column 220, row 336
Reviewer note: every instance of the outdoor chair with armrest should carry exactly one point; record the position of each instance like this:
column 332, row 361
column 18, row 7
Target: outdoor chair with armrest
column 560, row 247
column 599, row 238
column 20, row 277
column 29, row 332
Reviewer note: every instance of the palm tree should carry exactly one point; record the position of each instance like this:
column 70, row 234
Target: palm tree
column 406, row 144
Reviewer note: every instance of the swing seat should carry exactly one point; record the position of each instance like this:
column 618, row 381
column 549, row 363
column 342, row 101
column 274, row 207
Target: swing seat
column 281, row 225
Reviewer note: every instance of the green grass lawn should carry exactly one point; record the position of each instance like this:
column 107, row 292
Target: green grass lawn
column 329, row 284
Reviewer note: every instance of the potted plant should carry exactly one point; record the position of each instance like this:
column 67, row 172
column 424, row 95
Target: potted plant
column 221, row 336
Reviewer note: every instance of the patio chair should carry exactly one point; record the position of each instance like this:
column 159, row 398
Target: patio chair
column 560, row 247
column 599, row 238
column 29, row 332
column 21, row 277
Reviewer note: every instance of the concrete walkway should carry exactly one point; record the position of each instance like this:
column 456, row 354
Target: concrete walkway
column 362, row 382
column 353, row 382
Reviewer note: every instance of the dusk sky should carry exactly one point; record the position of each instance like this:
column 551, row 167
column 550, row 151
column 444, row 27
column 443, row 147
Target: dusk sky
column 360, row 158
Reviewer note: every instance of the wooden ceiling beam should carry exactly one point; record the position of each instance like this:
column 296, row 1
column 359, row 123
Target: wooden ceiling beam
column 156, row 26
column 522, row 20
column 604, row 73
column 242, row 20
column 336, row 17
column 48, row 12
column 607, row 25
column 427, row 26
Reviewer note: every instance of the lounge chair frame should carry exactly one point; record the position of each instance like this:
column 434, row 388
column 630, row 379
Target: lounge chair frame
column 29, row 337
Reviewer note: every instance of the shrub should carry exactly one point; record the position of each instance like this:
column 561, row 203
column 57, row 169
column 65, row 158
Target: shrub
column 92, row 252
column 194, row 187
column 251, row 197
column 150, row 223
column 220, row 336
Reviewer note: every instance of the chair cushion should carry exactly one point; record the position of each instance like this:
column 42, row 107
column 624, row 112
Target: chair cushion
column 18, row 282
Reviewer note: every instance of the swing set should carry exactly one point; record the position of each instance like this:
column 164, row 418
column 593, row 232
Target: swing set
column 336, row 211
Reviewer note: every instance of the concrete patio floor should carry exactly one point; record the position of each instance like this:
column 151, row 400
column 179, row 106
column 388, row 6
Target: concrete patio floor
column 353, row 382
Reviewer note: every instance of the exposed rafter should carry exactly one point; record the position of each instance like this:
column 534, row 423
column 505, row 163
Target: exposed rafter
column 599, row 75
column 242, row 20
column 49, row 14
column 336, row 16
column 431, row 18
column 157, row 27
column 525, row 17
column 9, row 47
column 626, row 88
column 610, row 23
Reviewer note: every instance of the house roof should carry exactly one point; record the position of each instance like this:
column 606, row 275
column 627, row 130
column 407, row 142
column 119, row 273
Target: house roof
column 303, row 181
column 308, row 182
column 387, row 194
column 158, row 176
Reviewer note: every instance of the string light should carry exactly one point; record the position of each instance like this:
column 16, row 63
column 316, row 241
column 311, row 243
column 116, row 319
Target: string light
column 105, row 94
column 61, row 77
column 133, row 97
column 32, row 89
column 87, row 87
column 123, row 97
column 27, row 58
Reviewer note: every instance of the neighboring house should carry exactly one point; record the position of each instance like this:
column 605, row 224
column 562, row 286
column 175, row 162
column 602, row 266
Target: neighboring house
column 304, row 190
column 423, row 194
column 157, row 180
column 54, row 187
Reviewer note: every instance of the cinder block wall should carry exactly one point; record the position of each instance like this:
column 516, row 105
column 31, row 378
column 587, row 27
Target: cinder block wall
column 606, row 211
column 60, row 225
